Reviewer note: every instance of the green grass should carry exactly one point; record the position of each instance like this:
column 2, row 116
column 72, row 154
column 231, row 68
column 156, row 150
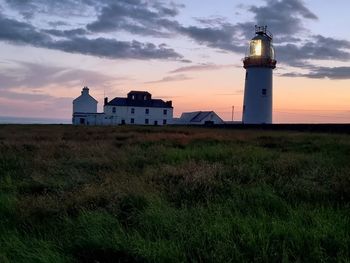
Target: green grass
column 137, row 194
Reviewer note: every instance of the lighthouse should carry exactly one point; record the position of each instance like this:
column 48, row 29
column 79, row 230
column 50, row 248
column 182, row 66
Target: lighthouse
column 259, row 64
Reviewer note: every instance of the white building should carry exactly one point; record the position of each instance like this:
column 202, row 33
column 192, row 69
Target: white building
column 83, row 106
column 199, row 118
column 138, row 108
column 259, row 64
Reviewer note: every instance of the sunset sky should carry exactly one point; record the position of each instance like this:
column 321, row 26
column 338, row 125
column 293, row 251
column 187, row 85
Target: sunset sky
column 186, row 51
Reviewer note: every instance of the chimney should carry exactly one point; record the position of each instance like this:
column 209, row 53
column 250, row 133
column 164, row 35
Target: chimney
column 106, row 100
column 169, row 103
column 85, row 91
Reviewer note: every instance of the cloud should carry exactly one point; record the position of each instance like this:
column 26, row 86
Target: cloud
column 295, row 45
column 63, row 8
column 180, row 77
column 66, row 33
column 23, row 33
column 110, row 48
column 284, row 17
column 224, row 37
column 334, row 73
column 315, row 48
column 58, row 23
column 28, row 104
column 29, row 97
column 35, row 76
column 201, row 67
column 137, row 17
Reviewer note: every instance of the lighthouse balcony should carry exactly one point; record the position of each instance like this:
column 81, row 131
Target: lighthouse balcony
column 250, row 62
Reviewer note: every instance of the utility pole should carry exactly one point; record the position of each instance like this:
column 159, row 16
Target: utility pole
column 233, row 111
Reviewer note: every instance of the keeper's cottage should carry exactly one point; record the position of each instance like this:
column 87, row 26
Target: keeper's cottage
column 138, row 108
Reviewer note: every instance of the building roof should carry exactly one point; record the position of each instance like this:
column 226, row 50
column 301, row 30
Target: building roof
column 201, row 116
column 139, row 92
column 196, row 116
column 151, row 103
column 85, row 96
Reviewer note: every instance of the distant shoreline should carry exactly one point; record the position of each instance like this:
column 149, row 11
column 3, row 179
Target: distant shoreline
column 24, row 120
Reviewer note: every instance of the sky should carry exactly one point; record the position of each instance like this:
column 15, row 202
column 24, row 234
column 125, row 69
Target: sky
column 189, row 52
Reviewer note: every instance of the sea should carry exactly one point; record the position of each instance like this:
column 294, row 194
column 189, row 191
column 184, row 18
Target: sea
column 21, row 120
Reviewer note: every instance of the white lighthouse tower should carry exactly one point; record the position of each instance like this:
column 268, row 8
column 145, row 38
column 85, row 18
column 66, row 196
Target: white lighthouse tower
column 259, row 64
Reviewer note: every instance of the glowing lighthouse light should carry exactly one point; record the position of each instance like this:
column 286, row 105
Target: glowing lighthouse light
column 255, row 46
column 259, row 64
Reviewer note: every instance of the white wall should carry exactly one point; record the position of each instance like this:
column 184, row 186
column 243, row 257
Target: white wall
column 124, row 113
column 85, row 103
column 257, row 108
column 88, row 119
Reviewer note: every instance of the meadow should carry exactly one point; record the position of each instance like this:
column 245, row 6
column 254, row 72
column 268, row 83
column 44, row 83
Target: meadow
column 172, row 194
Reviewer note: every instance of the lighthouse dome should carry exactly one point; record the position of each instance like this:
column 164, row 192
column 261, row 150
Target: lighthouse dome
column 261, row 46
column 261, row 52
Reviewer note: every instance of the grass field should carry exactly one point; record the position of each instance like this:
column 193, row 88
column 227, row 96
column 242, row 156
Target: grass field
column 138, row 194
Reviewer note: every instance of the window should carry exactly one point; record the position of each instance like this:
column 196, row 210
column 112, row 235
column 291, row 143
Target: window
column 132, row 121
column 133, row 97
column 164, row 122
column 165, row 112
column 147, row 111
column 146, row 121
column 114, row 110
column 263, row 92
column 144, row 97
column 132, row 111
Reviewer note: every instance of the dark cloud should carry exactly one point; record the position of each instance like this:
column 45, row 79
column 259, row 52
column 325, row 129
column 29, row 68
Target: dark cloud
column 135, row 16
column 331, row 42
column 24, row 33
column 66, row 33
column 224, row 37
column 138, row 17
column 284, row 17
column 201, row 67
column 111, row 48
column 21, row 33
column 335, row 73
column 316, row 48
column 63, row 8
column 180, row 77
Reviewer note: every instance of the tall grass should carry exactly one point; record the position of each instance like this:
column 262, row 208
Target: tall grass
column 173, row 194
